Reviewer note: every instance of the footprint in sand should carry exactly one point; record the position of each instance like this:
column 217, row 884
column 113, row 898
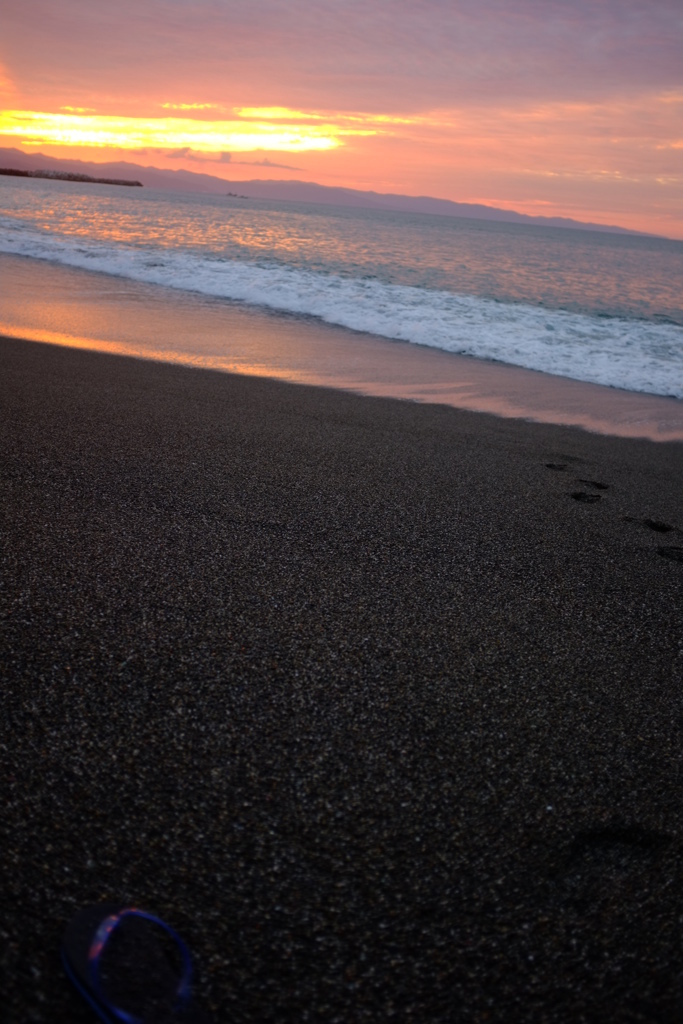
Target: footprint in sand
column 584, row 496
column 594, row 483
column 587, row 499
column 657, row 526
column 653, row 524
column 671, row 551
column 675, row 554
column 617, row 840
column 610, row 852
column 606, row 853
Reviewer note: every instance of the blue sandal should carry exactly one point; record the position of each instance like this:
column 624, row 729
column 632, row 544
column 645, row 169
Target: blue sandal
column 130, row 966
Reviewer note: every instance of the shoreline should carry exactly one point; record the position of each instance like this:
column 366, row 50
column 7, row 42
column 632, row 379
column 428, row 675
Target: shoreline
column 106, row 313
column 356, row 693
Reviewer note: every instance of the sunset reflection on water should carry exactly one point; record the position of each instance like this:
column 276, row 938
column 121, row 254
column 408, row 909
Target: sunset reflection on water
column 579, row 271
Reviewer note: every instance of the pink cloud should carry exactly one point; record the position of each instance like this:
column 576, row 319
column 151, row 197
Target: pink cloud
column 561, row 102
column 360, row 54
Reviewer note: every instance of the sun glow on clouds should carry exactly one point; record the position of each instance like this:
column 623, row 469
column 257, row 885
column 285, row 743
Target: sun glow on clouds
column 512, row 154
column 106, row 131
column 542, row 137
column 190, row 106
column 277, row 114
column 342, row 119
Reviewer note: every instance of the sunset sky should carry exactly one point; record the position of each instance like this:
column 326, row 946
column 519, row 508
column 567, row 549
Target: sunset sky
column 544, row 106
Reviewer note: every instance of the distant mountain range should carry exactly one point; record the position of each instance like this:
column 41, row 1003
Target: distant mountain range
column 293, row 191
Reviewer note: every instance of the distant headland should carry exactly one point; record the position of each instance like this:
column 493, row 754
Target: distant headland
column 68, row 176
column 280, row 190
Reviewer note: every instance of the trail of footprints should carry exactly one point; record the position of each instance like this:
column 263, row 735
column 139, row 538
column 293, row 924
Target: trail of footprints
column 672, row 552
column 617, row 849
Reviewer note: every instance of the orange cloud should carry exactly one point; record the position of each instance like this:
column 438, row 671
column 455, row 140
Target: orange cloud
column 107, row 131
column 190, row 106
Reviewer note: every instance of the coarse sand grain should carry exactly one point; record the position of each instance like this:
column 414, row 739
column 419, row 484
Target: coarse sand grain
column 379, row 704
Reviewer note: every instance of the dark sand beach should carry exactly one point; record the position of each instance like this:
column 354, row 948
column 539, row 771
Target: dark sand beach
column 378, row 703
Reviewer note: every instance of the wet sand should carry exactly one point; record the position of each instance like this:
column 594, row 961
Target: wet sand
column 60, row 305
column 378, row 703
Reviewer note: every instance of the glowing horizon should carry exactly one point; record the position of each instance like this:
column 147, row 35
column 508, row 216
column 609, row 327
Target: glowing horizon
column 573, row 114
column 107, row 131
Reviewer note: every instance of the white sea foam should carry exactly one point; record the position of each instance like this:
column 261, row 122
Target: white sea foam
column 637, row 355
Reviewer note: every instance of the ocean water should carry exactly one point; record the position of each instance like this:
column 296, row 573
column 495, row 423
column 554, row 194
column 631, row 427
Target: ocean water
column 596, row 307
